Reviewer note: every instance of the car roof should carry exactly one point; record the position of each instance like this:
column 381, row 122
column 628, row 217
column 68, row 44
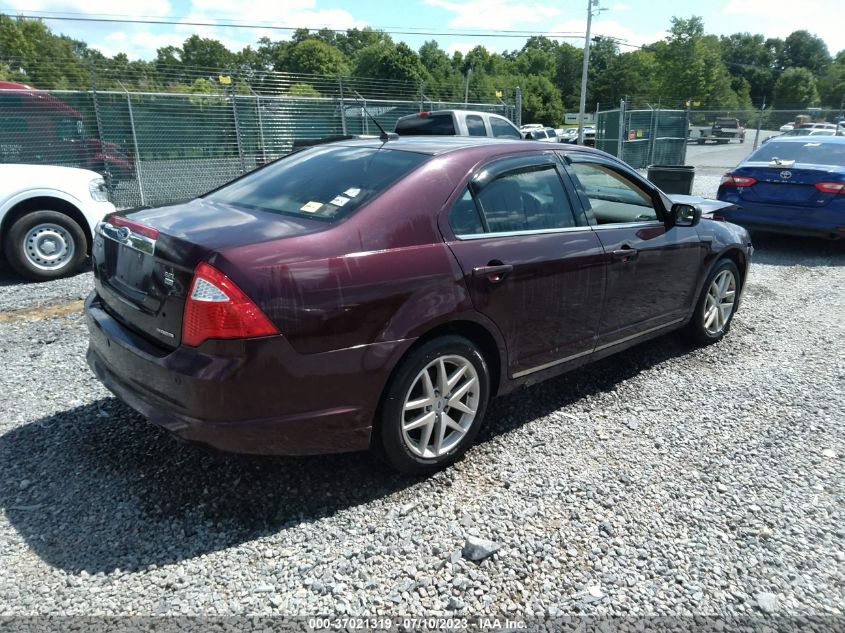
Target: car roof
column 803, row 139
column 431, row 112
column 434, row 145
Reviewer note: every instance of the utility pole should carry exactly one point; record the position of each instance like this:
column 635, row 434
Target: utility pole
column 759, row 124
column 466, row 89
column 584, row 70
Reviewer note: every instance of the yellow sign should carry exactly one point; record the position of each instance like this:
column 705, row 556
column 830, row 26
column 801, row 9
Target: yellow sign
column 696, row 103
column 499, row 94
column 224, row 79
column 639, row 133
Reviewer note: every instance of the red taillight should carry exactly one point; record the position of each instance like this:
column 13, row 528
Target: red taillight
column 135, row 227
column 425, row 114
column 217, row 308
column 729, row 180
column 831, row 187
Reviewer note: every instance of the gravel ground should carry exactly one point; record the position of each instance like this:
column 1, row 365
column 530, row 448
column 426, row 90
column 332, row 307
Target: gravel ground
column 666, row 480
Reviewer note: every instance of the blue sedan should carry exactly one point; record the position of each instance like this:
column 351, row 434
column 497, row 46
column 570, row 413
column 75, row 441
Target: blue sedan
column 790, row 185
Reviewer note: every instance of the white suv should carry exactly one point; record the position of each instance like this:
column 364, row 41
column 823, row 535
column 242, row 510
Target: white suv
column 48, row 216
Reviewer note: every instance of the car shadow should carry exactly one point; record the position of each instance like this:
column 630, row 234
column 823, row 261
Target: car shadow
column 789, row 250
column 8, row 277
column 97, row 488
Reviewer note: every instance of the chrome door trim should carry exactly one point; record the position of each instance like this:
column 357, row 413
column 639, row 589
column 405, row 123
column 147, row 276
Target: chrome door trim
column 526, row 372
column 481, row 236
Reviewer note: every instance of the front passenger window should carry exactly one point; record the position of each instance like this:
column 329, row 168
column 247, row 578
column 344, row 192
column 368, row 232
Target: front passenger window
column 503, row 129
column 614, row 199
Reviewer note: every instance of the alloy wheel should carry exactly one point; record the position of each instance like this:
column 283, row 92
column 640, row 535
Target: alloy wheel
column 719, row 303
column 440, row 406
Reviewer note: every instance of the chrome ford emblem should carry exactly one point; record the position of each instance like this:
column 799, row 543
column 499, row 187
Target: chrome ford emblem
column 785, row 174
column 123, row 233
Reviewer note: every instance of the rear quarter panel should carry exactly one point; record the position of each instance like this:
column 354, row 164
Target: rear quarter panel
column 383, row 274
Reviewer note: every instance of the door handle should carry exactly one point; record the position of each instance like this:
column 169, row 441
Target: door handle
column 624, row 254
column 494, row 272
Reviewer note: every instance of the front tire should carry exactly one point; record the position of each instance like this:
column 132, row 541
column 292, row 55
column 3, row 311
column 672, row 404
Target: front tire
column 434, row 405
column 45, row 245
column 717, row 304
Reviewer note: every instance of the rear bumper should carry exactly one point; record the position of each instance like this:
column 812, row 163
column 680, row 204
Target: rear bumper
column 248, row 396
column 813, row 222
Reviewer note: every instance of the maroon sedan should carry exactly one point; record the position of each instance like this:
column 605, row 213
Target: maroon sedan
column 363, row 294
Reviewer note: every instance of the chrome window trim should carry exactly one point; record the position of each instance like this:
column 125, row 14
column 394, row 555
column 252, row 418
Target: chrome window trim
column 481, row 236
column 532, row 370
column 627, row 225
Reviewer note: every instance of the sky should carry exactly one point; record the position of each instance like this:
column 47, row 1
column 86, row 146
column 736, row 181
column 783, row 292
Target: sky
column 634, row 21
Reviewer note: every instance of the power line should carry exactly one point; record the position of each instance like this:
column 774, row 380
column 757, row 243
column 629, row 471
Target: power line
column 236, row 24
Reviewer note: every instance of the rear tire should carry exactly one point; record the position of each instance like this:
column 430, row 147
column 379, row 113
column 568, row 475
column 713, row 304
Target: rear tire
column 45, row 245
column 433, row 406
column 717, row 304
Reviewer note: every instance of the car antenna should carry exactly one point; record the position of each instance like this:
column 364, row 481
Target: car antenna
column 384, row 137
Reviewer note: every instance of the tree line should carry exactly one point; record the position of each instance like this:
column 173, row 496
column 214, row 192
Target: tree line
column 735, row 72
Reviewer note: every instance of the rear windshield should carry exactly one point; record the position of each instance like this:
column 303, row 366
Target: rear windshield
column 811, row 152
column 432, row 125
column 725, row 121
column 325, row 183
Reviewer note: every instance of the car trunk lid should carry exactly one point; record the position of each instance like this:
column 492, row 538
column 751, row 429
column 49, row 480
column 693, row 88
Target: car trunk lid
column 144, row 259
column 786, row 183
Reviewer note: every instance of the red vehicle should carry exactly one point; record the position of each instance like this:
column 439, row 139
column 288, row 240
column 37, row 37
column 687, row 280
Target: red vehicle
column 369, row 294
column 38, row 128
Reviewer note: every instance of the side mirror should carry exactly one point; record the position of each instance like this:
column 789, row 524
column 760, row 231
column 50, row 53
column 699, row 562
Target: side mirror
column 685, row 214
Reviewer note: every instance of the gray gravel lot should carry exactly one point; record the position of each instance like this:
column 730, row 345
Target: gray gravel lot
column 666, row 480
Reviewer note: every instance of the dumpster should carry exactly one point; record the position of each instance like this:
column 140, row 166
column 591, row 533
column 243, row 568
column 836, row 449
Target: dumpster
column 672, row 178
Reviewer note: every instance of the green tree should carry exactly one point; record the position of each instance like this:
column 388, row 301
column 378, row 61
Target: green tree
column 314, row 57
column 541, row 102
column 567, row 77
column 692, row 67
column 805, row 50
column 385, row 60
column 795, row 89
column 747, row 56
column 208, row 56
column 832, row 85
column 38, row 57
column 602, row 86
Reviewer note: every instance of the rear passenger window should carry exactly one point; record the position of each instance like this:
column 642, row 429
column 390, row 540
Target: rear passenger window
column 503, row 129
column 464, row 218
column 475, row 125
column 526, row 200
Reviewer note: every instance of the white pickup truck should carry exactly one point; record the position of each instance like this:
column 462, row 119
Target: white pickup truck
column 456, row 123
column 47, row 217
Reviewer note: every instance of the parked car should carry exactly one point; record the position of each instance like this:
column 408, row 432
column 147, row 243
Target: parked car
column 47, row 218
column 803, row 132
column 543, row 134
column 727, row 128
column 39, row 128
column 296, row 310
column 456, row 123
column 787, row 127
column 817, row 126
column 567, row 135
column 589, row 135
column 790, row 185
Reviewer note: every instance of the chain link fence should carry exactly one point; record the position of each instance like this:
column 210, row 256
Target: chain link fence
column 643, row 137
column 161, row 147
